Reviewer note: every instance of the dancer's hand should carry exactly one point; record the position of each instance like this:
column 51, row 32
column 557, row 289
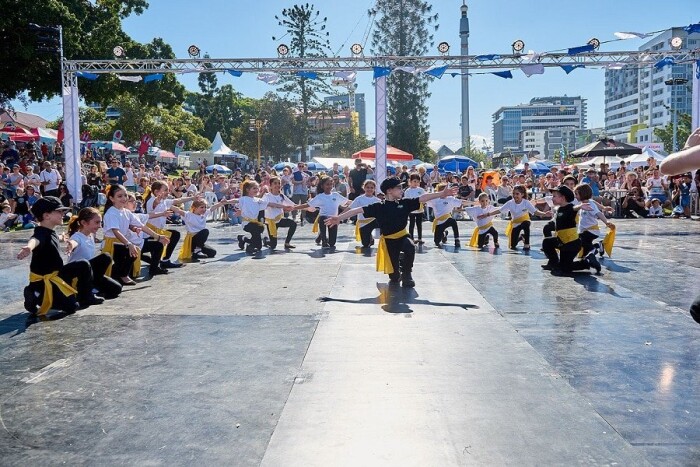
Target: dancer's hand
column 331, row 221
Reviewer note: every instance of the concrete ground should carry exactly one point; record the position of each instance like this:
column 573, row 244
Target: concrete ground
column 309, row 358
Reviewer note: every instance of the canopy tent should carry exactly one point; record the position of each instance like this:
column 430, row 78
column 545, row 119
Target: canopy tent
column 218, row 148
column 456, row 164
column 18, row 135
column 109, row 145
column 222, row 169
column 392, row 153
column 612, row 161
column 606, row 148
column 45, row 135
column 350, row 163
column 641, row 160
column 537, row 167
column 166, row 156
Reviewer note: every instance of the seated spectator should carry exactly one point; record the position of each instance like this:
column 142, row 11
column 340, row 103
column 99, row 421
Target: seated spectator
column 655, row 209
column 634, row 203
column 22, row 209
column 7, row 217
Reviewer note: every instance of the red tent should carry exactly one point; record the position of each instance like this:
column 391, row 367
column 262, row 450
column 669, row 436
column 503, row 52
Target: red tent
column 392, row 154
column 19, row 135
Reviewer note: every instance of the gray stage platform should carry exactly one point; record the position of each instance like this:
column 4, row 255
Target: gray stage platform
column 309, row 358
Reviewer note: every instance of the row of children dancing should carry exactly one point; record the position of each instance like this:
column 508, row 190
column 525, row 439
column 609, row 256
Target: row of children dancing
column 93, row 274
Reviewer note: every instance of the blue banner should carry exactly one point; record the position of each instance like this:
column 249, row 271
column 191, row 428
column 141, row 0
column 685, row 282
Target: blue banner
column 86, row 75
column 307, row 74
column 580, row 50
column 569, row 68
column 664, row 62
column 481, row 58
column 503, row 74
column 380, row 71
column 437, row 72
column 235, row 73
column 153, row 77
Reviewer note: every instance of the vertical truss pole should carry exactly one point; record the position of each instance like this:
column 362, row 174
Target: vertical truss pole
column 695, row 111
column 380, row 126
column 71, row 133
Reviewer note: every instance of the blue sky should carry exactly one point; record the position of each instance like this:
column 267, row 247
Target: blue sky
column 244, row 29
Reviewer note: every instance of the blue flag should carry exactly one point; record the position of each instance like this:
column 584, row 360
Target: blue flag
column 380, row 71
column 307, row 74
column 582, row 49
column 663, row 62
column 503, row 74
column 235, row 73
column 692, row 28
column 569, row 68
column 153, row 77
column 481, row 58
column 86, row 75
column 437, row 72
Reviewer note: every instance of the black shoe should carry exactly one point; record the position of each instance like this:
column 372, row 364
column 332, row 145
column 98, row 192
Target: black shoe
column 89, row 301
column 395, row 279
column 158, row 272
column 407, row 281
column 30, row 300
column 170, row 265
column 593, row 262
column 325, row 245
column 266, row 241
column 208, row 251
column 457, row 244
column 289, row 246
column 241, row 242
column 548, row 267
column 444, row 237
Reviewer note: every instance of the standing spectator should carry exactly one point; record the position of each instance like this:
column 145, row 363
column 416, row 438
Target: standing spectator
column 358, row 175
column 44, row 151
column 130, row 178
column 115, row 174
column 300, row 190
column 50, row 179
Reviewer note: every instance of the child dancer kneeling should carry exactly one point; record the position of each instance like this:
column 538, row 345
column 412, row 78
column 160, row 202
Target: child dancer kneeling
column 197, row 232
column 442, row 209
column 250, row 206
column 392, row 217
column 328, row 202
column 365, row 225
column 484, row 225
column 588, row 230
column 81, row 246
column 50, row 281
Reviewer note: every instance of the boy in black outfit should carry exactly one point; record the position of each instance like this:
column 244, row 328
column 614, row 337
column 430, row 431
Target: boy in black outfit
column 392, row 216
column 566, row 239
column 49, row 279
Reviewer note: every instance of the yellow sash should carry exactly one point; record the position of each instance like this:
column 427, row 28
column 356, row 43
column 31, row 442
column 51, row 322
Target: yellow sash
column 364, row 222
column 438, row 220
column 162, row 232
column 272, row 225
column 108, row 247
column 517, row 220
column 49, row 280
column 567, row 235
column 474, row 241
column 383, row 259
column 254, row 221
column 314, row 229
column 186, row 250
column 609, row 241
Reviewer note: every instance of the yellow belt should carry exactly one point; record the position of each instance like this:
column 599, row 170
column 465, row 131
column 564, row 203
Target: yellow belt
column 568, row 235
column 49, row 280
column 359, row 224
column 161, row 232
column 186, row 250
column 108, row 247
column 517, row 220
column 474, row 241
column 272, row 225
column 383, row 259
column 314, row 228
column 609, row 241
column 438, row 220
column 253, row 221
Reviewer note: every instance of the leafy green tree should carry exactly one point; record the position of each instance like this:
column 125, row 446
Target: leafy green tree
column 345, row 142
column 309, row 38
column 665, row 134
column 403, row 28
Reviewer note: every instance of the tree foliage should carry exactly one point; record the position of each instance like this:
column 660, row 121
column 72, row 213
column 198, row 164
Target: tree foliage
column 91, row 29
column 309, row 38
column 403, row 28
column 345, row 142
column 665, row 134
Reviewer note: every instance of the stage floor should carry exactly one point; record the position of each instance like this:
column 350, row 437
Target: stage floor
column 309, row 358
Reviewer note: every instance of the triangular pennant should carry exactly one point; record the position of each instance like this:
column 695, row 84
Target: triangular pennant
column 503, row 74
column 569, row 68
column 380, row 71
column 436, row 71
column 235, row 73
column 582, row 49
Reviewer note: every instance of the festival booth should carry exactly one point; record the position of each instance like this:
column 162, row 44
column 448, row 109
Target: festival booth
column 17, row 134
column 45, row 135
column 609, row 150
column 612, row 161
column 640, row 160
column 218, row 153
column 456, row 164
column 392, row 154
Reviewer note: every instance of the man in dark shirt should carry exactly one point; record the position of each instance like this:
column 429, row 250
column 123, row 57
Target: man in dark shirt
column 392, row 216
column 358, row 175
column 115, row 174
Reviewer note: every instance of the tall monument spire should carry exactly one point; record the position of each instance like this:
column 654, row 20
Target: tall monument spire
column 464, row 35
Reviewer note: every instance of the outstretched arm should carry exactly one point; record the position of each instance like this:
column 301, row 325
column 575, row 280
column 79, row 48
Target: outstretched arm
column 335, row 220
column 440, row 194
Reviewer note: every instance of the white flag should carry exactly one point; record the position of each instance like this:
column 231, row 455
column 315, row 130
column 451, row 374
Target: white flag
column 631, row 35
column 346, row 75
column 133, row 79
column 269, row 78
column 534, row 69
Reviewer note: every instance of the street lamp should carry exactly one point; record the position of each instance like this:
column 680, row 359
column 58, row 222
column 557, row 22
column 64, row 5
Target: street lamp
column 257, row 124
column 674, row 112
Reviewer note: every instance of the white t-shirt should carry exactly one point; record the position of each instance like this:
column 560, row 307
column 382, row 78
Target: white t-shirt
column 52, row 177
column 194, row 223
column 33, row 179
column 328, row 204
column 362, row 201
column 85, row 249
column 120, row 219
column 272, row 213
column 655, row 185
column 475, row 211
column 656, row 211
column 161, row 207
column 588, row 219
column 517, row 210
column 442, row 206
column 129, row 178
column 412, row 193
column 250, row 207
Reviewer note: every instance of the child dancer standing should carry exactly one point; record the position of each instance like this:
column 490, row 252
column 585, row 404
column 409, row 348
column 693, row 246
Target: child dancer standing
column 442, row 209
column 327, row 203
column 365, row 225
column 415, row 219
column 250, row 206
column 274, row 217
column 484, row 225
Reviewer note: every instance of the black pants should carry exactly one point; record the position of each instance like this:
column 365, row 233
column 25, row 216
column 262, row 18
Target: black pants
column 199, row 240
column 567, row 253
column 255, row 231
column 80, row 270
column 549, row 229
column 523, row 228
column 155, row 249
column 695, row 309
column 123, row 262
column 366, row 233
column 401, row 264
column 107, row 287
column 632, row 206
column 484, row 236
column 440, row 230
column 174, row 239
column 415, row 221
column 290, row 225
column 587, row 238
column 330, row 238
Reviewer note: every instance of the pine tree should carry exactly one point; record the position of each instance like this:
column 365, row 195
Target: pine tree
column 309, row 38
column 403, row 29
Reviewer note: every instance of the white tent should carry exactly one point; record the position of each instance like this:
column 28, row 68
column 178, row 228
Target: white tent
column 218, row 148
column 640, row 160
column 612, row 161
column 218, row 151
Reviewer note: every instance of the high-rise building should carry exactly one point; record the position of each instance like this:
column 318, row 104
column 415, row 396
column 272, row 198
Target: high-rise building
column 510, row 124
column 342, row 103
column 637, row 100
